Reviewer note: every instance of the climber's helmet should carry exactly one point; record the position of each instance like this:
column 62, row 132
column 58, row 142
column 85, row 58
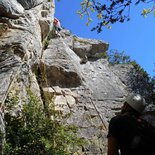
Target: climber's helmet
column 137, row 102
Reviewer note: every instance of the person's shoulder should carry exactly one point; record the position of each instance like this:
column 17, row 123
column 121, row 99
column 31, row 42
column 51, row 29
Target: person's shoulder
column 116, row 118
column 120, row 119
column 116, row 123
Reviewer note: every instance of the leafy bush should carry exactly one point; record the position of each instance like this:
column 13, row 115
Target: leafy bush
column 39, row 132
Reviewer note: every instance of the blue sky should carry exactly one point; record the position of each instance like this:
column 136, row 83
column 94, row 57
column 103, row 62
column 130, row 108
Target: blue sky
column 135, row 38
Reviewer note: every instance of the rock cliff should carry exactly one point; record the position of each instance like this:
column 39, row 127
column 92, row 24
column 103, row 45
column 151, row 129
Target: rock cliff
column 87, row 88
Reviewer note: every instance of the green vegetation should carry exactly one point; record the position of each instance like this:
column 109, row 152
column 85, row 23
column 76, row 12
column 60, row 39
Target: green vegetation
column 45, row 43
column 143, row 77
column 34, row 132
column 116, row 57
column 110, row 12
column 139, row 80
column 153, row 94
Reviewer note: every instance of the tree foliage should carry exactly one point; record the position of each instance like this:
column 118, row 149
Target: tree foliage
column 116, row 57
column 110, row 11
column 36, row 133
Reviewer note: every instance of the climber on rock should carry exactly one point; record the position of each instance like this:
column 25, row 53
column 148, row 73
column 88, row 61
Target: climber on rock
column 57, row 26
column 129, row 133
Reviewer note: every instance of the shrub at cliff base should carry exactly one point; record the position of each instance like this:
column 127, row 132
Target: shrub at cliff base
column 35, row 133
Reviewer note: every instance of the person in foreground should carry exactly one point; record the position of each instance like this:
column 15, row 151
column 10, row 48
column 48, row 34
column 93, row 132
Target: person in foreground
column 128, row 133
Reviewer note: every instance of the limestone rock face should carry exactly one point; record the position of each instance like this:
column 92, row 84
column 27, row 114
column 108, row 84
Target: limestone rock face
column 28, row 4
column 9, row 68
column 82, row 85
column 88, row 48
column 61, row 65
column 91, row 46
column 90, row 93
column 20, row 46
column 11, row 8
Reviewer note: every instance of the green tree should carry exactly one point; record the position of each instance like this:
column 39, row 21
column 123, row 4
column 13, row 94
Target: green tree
column 111, row 11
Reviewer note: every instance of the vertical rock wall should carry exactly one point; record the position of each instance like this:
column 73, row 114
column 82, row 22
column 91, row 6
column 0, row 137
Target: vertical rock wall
column 90, row 93
column 84, row 87
column 21, row 35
